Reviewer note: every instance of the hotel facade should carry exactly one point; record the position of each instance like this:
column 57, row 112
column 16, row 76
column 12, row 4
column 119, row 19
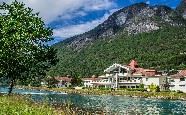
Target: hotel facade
column 128, row 76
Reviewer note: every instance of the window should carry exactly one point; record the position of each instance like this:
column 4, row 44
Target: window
column 122, row 70
column 172, row 85
column 182, row 79
column 146, row 79
column 122, row 79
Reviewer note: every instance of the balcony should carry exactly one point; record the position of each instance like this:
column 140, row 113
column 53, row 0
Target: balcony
column 102, row 82
column 119, row 75
column 109, row 75
column 122, row 74
column 130, row 81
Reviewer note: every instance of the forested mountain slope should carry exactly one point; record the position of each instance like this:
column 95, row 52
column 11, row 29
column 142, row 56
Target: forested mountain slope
column 160, row 49
column 153, row 35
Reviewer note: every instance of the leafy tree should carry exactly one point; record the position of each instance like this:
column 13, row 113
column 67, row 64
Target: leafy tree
column 76, row 81
column 24, row 53
column 51, row 81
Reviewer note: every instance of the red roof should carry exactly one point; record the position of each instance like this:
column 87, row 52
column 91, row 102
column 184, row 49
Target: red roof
column 150, row 70
column 133, row 64
column 177, row 77
column 180, row 74
column 66, row 79
column 138, row 71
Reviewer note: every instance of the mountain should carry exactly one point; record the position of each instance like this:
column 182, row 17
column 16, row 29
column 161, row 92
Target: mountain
column 153, row 35
column 181, row 9
column 133, row 19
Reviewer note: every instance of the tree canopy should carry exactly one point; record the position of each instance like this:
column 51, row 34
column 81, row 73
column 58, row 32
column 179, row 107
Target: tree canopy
column 24, row 53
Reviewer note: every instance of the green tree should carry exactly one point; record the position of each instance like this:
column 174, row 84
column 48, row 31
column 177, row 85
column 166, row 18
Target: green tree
column 51, row 81
column 76, row 81
column 24, row 53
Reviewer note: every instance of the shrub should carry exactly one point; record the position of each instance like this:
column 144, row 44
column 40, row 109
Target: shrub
column 154, row 88
column 136, row 89
column 178, row 91
column 103, row 88
column 141, row 86
column 11, row 105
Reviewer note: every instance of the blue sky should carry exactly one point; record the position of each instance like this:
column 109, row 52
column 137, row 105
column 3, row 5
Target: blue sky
column 72, row 17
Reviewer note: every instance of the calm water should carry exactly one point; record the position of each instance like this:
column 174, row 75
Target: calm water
column 115, row 104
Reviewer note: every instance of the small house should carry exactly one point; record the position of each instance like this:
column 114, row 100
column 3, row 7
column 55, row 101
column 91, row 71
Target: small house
column 63, row 81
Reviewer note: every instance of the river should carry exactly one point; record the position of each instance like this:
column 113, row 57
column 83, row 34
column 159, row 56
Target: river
column 114, row 104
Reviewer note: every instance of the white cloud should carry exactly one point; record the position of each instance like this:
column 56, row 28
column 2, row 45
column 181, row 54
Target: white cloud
column 51, row 10
column 69, row 31
column 147, row 2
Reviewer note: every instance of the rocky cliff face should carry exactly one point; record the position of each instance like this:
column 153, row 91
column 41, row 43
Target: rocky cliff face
column 181, row 9
column 134, row 19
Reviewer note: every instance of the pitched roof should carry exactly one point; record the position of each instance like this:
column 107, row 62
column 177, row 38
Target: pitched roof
column 114, row 66
column 133, row 64
column 149, row 70
column 177, row 77
column 138, row 71
column 180, row 74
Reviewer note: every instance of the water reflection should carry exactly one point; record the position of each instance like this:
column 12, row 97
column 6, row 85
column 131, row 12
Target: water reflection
column 110, row 104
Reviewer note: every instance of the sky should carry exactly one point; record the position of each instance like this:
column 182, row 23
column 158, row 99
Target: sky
column 72, row 17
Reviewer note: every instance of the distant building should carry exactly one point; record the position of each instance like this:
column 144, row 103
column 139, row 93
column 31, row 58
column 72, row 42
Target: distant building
column 160, row 81
column 90, row 82
column 178, row 81
column 63, row 81
column 121, row 76
column 127, row 76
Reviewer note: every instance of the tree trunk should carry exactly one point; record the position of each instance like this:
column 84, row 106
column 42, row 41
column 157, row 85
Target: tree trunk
column 10, row 87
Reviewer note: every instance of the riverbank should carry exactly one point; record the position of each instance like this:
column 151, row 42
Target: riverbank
column 121, row 92
column 22, row 105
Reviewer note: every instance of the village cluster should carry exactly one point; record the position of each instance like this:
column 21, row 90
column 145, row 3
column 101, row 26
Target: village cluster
column 132, row 76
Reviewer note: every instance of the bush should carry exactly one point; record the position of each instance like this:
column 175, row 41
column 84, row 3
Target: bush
column 154, row 88
column 103, row 88
column 141, row 86
column 178, row 91
column 136, row 89
column 168, row 90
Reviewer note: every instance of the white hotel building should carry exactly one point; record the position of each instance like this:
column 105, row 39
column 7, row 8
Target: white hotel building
column 127, row 76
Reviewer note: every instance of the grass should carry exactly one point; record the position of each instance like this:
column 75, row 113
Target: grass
column 20, row 105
